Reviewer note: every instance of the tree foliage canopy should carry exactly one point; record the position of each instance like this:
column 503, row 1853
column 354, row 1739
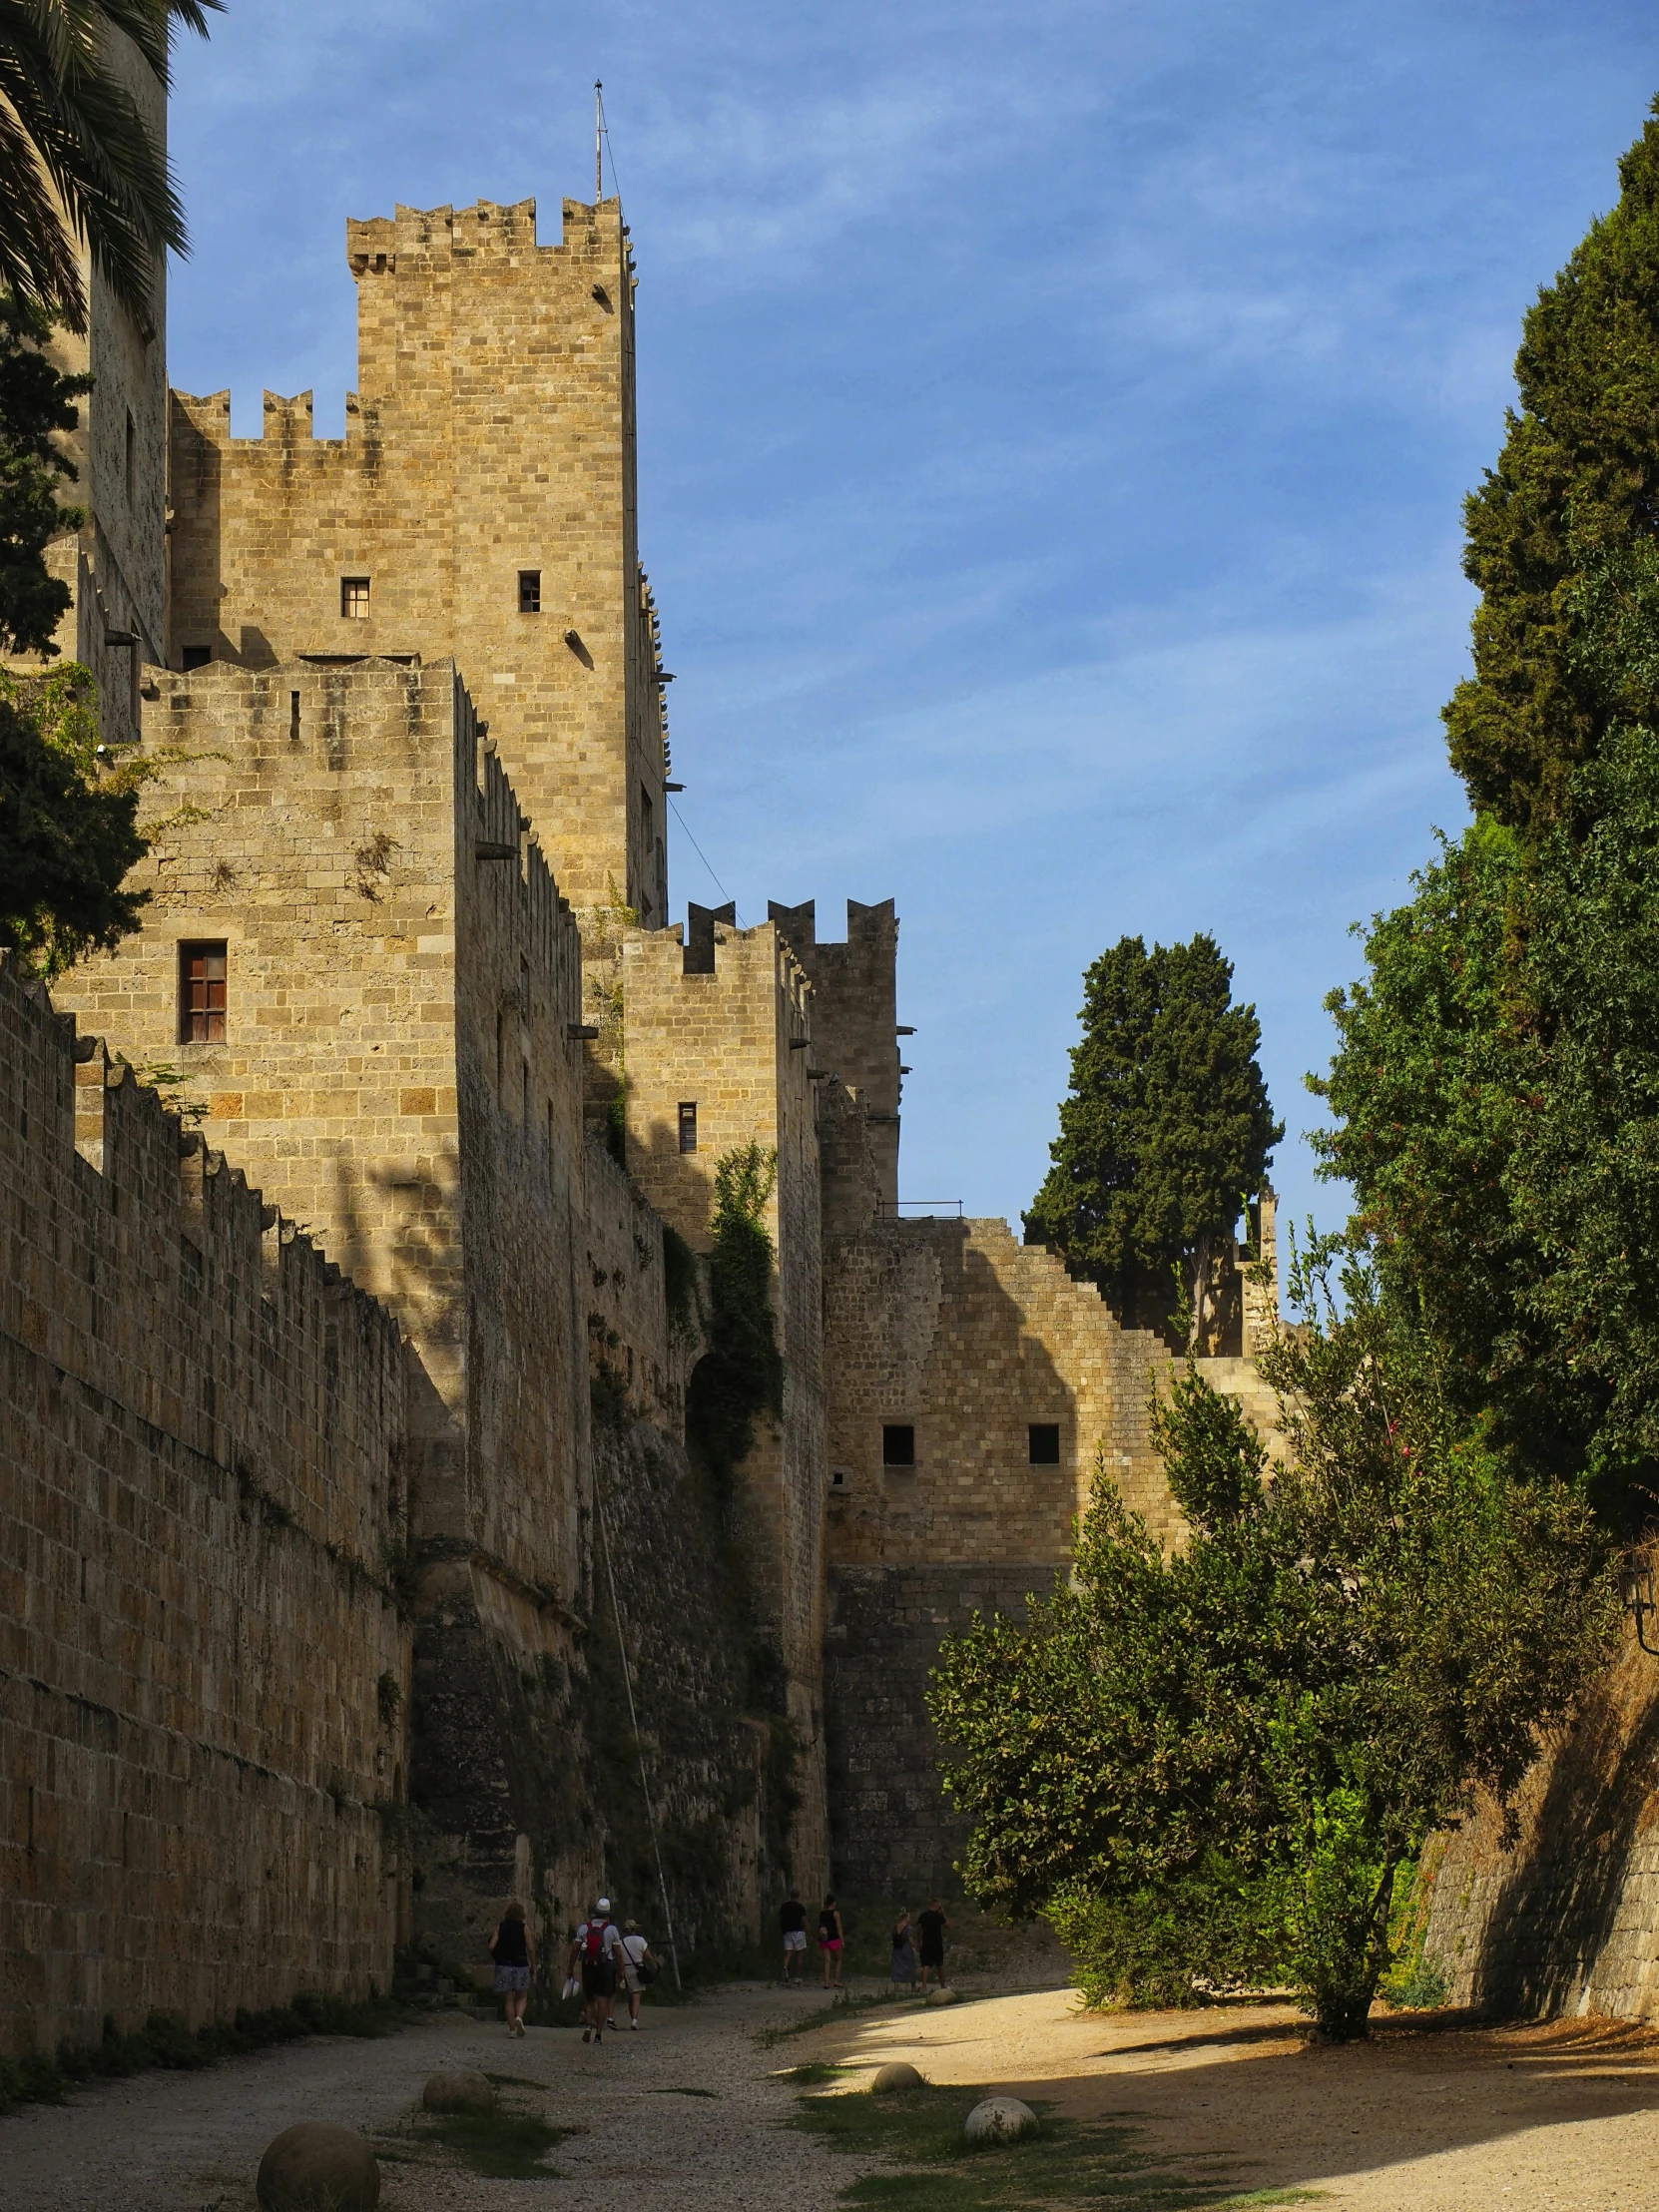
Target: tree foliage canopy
column 37, row 405
column 1220, row 1762
column 68, row 822
column 1577, row 488
column 1166, row 1125
column 741, row 1375
column 1496, row 1080
column 69, row 127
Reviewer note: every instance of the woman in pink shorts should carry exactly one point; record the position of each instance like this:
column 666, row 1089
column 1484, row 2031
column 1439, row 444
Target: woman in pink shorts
column 832, row 1941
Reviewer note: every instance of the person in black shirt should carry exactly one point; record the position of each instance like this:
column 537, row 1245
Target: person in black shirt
column 515, row 1961
column 792, row 1921
column 933, row 1923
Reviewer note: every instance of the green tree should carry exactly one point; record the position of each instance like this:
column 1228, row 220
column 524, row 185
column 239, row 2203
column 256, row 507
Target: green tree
column 1578, row 482
column 1166, row 1125
column 68, row 828
column 741, row 1375
column 78, row 161
column 37, row 405
column 1221, row 1763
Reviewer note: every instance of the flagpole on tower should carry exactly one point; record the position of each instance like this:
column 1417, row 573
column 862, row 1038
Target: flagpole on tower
column 598, row 140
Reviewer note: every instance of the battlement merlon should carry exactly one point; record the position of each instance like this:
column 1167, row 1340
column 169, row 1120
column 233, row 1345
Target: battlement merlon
column 432, row 238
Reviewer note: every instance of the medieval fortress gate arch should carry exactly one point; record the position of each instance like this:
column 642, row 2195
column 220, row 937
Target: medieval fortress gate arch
column 404, row 690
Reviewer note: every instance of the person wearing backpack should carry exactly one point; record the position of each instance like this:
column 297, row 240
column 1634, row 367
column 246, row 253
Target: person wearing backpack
column 593, row 1953
column 640, row 1968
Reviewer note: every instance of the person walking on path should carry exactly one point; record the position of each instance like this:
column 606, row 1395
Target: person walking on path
column 514, row 1951
column 832, row 1942
column 640, row 1966
column 792, row 1921
column 903, row 1953
column 592, row 1950
column 934, row 1925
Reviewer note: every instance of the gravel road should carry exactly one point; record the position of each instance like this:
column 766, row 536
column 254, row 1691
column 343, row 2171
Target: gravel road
column 192, row 2142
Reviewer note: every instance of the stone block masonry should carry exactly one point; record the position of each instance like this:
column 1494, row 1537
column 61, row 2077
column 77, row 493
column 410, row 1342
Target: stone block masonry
column 717, row 1022
column 397, row 1067
column 481, row 505
column 204, row 1673
column 979, row 1393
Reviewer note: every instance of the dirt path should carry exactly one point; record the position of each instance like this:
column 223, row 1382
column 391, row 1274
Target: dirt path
column 1561, row 2119
column 192, row 2142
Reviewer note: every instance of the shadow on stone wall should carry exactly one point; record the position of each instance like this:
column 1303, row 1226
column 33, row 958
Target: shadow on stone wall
column 1560, row 1895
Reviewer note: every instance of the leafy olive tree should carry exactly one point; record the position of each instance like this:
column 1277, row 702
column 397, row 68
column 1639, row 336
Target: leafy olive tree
column 1218, row 1764
column 1167, row 1125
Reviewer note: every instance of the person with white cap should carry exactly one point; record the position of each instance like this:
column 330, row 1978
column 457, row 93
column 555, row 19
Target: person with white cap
column 593, row 1953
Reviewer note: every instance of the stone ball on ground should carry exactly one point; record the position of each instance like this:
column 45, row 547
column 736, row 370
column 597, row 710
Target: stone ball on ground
column 1000, row 2120
column 460, row 2092
column 944, row 1996
column 314, row 2167
column 900, row 2075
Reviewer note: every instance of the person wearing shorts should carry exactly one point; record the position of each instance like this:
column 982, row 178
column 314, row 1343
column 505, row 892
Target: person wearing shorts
column 514, row 1954
column 792, row 1921
column 593, row 1953
column 633, row 1953
column 832, row 1942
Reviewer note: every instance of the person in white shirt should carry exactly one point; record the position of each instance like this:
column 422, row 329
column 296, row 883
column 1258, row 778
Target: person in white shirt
column 635, row 1954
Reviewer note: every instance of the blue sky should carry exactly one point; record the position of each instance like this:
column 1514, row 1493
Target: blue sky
column 1054, row 419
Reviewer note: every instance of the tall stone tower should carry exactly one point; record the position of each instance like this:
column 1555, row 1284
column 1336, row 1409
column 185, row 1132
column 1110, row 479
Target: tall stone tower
column 480, row 507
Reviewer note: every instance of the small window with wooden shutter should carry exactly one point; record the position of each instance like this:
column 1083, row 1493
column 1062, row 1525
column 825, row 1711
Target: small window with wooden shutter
column 202, row 993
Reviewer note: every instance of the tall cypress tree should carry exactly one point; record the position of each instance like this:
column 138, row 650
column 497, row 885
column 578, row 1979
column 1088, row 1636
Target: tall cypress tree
column 1166, row 1125
column 1575, row 486
column 1496, row 1084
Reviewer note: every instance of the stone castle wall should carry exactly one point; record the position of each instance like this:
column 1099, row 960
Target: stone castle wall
column 1565, row 1919
column 856, row 1016
column 397, row 1067
column 206, row 1674
column 492, row 436
column 722, row 1023
column 953, row 1331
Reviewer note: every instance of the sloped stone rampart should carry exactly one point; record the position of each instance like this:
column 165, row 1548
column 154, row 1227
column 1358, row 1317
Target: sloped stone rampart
column 205, row 1677
column 1565, row 1919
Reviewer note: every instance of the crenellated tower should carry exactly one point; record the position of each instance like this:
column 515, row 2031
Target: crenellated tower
column 481, row 507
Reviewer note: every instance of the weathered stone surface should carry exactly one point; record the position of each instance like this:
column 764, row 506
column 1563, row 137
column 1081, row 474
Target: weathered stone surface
column 970, row 1340
column 1000, row 2120
column 199, row 1421
column 314, row 2167
column 463, row 2091
column 899, row 2075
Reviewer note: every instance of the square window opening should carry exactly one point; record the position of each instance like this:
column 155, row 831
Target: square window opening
column 202, row 981
column 687, row 1125
column 353, row 598
column 529, row 591
column 1046, row 1443
column 194, row 656
column 898, row 1444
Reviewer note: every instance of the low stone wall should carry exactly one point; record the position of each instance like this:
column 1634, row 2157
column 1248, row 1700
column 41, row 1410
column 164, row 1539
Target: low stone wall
column 1565, row 1919
column 203, row 1673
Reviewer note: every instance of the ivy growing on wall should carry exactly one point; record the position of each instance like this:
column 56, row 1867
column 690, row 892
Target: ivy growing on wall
column 741, row 1374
